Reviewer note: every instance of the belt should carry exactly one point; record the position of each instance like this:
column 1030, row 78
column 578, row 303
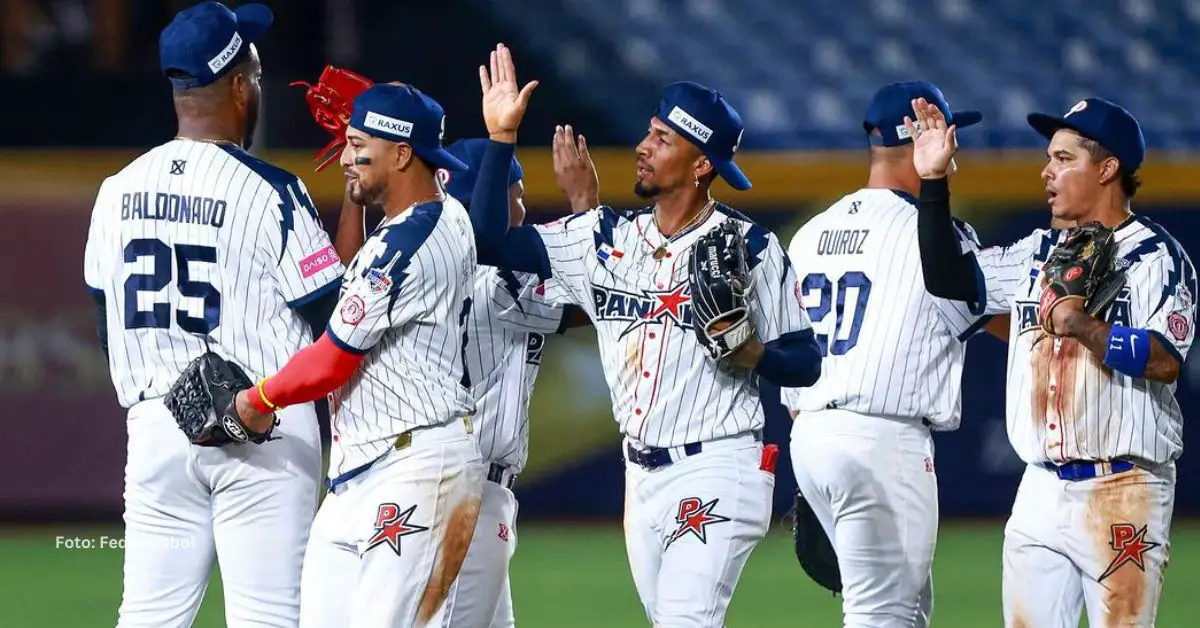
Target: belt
column 1087, row 469
column 652, row 458
column 502, row 475
column 402, row 441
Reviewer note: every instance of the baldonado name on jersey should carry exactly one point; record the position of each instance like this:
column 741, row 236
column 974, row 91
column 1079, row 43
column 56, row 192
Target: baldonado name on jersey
column 650, row 307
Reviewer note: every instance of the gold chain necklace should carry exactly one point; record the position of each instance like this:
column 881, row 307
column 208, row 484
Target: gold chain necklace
column 696, row 221
column 209, row 141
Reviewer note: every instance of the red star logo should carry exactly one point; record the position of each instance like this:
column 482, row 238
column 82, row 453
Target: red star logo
column 669, row 303
column 391, row 524
column 1131, row 545
column 694, row 518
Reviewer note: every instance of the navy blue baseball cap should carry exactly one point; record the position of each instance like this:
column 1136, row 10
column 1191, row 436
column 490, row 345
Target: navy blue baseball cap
column 461, row 184
column 703, row 117
column 401, row 113
column 893, row 102
column 1106, row 122
column 205, row 41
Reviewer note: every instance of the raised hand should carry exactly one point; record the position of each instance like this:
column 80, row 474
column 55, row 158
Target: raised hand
column 503, row 104
column 934, row 143
column 574, row 170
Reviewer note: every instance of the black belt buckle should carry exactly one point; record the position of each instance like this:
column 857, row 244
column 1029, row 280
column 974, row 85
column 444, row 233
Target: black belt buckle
column 496, row 476
column 657, row 457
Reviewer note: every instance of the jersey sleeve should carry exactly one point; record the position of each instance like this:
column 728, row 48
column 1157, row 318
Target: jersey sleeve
column 96, row 252
column 1162, row 293
column 306, row 264
column 1003, row 270
column 393, row 288
column 962, row 318
column 776, row 308
column 520, row 302
column 570, row 243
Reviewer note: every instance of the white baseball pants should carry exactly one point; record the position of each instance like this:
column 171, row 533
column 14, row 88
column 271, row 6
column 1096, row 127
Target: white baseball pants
column 871, row 482
column 248, row 506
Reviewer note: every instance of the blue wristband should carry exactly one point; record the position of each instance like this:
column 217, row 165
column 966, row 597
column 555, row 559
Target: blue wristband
column 1128, row 350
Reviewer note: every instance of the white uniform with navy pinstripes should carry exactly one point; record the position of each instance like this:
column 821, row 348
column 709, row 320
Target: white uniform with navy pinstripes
column 196, row 240
column 504, row 353
column 890, row 348
column 1093, row 412
column 666, row 392
column 404, row 303
column 225, row 249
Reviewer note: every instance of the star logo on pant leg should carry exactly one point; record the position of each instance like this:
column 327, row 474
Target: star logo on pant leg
column 694, row 517
column 1131, row 546
column 390, row 524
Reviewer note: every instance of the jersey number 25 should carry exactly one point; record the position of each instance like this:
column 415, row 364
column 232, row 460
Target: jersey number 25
column 853, row 280
column 162, row 262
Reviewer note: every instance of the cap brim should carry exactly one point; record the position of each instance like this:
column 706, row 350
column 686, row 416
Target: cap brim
column 441, row 158
column 253, row 21
column 1047, row 125
column 964, row 119
column 732, row 174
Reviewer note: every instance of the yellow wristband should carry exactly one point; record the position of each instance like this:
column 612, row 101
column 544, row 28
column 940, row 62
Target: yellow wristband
column 263, row 395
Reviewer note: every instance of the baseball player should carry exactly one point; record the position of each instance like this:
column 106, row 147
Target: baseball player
column 698, row 488
column 1102, row 318
column 405, row 472
column 198, row 245
column 861, row 445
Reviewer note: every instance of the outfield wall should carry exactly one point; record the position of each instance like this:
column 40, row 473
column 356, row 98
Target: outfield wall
column 65, row 434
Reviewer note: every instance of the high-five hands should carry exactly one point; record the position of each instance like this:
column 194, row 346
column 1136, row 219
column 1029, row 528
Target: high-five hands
column 934, row 143
column 503, row 103
column 574, row 170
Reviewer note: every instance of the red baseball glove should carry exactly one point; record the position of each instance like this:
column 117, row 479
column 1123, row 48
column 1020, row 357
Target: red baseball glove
column 331, row 101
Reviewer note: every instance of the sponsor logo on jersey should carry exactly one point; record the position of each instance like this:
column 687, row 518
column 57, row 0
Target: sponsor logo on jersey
column 318, row 261
column 1130, row 544
column 353, row 310
column 391, row 524
column 695, row 515
column 692, row 126
column 651, row 307
column 503, row 534
column 388, row 124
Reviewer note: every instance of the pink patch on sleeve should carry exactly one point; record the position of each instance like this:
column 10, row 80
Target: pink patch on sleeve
column 318, row 261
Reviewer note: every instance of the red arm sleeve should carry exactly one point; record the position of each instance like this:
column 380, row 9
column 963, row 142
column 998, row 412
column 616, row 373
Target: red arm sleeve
column 314, row 372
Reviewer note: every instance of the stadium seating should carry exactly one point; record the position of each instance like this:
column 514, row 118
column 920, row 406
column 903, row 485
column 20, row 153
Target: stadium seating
column 801, row 72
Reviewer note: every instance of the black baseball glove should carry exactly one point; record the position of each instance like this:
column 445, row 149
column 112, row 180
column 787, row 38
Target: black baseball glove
column 813, row 548
column 1082, row 267
column 721, row 287
column 202, row 402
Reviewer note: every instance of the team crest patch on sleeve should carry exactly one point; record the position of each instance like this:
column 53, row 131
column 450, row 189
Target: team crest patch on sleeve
column 390, row 525
column 1178, row 325
column 1130, row 544
column 318, row 262
column 378, row 280
column 695, row 515
column 353, row 310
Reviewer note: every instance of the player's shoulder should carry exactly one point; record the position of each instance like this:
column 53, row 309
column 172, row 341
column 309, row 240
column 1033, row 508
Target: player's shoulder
column 758, row 238
column 407, row 233
column 262, row 170
column 1150, row 240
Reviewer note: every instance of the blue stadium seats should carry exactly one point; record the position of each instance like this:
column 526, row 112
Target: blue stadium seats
column 801, row 72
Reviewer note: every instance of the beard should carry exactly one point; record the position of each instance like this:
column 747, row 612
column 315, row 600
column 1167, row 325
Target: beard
column 251, row 121
column 362, row 195
column 645, row 190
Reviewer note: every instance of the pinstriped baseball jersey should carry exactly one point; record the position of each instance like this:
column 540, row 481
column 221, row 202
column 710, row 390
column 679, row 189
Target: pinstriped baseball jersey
column 666, row 391
column 404, row 303
column 1063, row 403
column 196, row 240
column 890, row 348
column 505, row 337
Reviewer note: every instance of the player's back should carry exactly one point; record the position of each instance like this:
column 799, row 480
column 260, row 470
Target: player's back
column 890, row 348
column 199, row 244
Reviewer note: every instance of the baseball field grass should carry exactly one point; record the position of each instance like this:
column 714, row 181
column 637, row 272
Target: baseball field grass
column 573, row 575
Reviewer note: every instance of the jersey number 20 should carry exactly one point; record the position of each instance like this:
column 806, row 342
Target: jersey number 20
column 162, row 264
column 854, row 280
